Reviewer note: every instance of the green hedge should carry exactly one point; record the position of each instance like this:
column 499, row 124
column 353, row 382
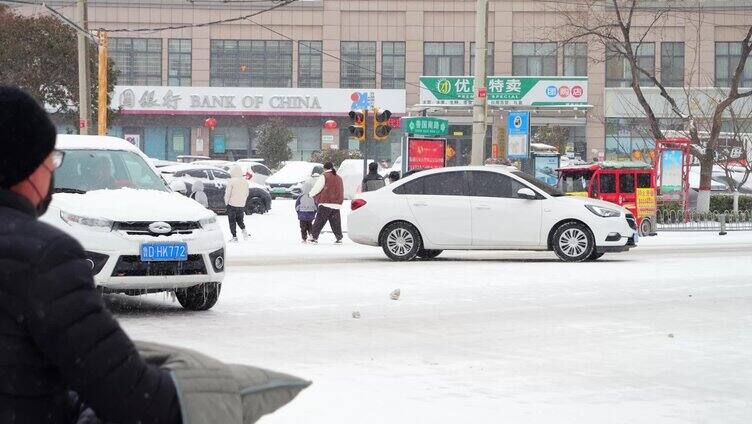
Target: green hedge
column 725, row 202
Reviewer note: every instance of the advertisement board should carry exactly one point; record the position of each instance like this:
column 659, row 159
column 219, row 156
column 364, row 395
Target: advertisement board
column 671, row 171
column 426, row 153
column 518, row 135
column 646, row 202
column 505, row 91
column 545, row 169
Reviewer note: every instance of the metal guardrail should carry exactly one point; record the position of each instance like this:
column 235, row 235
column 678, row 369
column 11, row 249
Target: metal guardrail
column 704, row 221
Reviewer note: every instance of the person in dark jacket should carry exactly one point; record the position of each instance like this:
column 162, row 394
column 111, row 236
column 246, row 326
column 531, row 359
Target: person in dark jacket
column 329, row 193
column 373, row 181
column 59, row 345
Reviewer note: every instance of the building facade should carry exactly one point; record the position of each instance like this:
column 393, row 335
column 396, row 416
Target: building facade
column 368, row 51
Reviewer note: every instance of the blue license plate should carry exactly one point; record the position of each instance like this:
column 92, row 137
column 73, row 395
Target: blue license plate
column 161, row 252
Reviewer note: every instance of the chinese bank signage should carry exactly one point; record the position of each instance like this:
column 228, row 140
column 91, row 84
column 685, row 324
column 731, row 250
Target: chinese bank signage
column 138, row 100
column 505, row 91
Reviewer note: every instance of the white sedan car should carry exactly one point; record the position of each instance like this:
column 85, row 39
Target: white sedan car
column 486, row 208
column 139, row 236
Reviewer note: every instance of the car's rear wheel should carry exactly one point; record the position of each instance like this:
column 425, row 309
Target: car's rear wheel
column 646, row 227
column 401, row 241
column 573, row 242
column 199, row 298
column 255, row 205
column 428, row 253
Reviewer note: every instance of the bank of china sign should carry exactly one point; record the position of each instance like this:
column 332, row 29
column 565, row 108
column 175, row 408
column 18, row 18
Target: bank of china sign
column 134, row 100
column 505, row 91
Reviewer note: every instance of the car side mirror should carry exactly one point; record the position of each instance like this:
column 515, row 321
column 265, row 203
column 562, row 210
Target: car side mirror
column 178, row 186
column 526, row 193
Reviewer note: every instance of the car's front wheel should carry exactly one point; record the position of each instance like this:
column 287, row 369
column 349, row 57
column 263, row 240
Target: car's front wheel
column 401, row 241
column 428, row 253
column 573, row 242
column 199, row 298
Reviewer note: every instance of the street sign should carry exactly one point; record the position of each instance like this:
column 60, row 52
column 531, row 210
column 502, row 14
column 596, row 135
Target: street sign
column 518, row 135
column 425, row 125
column 505, row 91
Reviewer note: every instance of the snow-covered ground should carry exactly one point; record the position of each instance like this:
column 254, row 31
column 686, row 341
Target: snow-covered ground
column 661, row 334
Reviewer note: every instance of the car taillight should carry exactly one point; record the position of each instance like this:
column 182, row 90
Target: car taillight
column 357, row 204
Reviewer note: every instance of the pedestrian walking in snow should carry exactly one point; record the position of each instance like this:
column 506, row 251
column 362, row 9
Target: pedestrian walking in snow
column 372, row 181
column 236, row 194
column 198, row 194
column 306, row 207
column 60, row 348
column 329, row 193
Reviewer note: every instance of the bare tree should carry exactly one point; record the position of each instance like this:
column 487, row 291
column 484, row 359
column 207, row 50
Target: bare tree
column 613, row 23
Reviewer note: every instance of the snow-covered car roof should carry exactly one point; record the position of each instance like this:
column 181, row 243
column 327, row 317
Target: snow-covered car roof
column 187, row 167
column 93, row 142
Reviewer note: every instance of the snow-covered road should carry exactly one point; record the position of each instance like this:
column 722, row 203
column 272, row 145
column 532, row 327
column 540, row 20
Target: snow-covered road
column 661, row 334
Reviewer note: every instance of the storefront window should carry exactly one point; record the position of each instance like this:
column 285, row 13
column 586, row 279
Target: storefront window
column 179, row 62
column 618, row 69
column 139, row 60
column 393, row 64
column 309, row 63
column 489, row 59
column 534, row 59
column 443, row 58
column 305, row 142
column 251, row 63
column 358, row 64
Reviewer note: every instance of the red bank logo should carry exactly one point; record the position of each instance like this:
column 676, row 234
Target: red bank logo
column 577, row 91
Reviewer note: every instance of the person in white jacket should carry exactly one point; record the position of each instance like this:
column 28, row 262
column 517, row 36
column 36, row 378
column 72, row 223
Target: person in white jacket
column 236, row 194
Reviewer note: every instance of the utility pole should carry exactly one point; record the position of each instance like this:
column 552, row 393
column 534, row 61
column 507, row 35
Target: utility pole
column 479, row 106
column 84, row 113
column 102, row 103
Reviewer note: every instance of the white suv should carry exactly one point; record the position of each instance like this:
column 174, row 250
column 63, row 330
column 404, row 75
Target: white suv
column 486, row 208
column 139, row 236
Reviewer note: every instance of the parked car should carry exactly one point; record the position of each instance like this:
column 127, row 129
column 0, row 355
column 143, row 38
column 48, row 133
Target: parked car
column 215, row 182
column 486, row 208
column 139, row 236
column 159, row 163
column 258, row 172
column 288, row 181
column 191, row 158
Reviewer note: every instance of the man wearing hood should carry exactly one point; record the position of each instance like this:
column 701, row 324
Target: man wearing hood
column 198, row 194
column 236, row 195
column 56, row 335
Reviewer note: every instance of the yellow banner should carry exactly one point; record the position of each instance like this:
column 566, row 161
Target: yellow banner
column 646, row 202
column 578, row 193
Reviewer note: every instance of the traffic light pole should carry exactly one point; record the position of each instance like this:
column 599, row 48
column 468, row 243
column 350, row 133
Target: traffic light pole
column 84, row 114
column 367, row 146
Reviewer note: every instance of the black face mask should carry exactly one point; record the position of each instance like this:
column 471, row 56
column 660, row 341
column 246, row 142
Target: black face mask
column 46, row 200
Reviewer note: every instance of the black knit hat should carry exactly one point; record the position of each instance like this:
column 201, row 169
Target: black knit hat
column 27, row 136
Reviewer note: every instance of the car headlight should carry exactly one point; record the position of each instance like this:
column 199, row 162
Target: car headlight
column 94, row 224
column 209, row 223
column 603, row 212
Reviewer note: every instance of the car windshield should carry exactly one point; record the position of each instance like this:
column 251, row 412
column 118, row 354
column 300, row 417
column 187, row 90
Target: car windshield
column 575, row 182
column 540, row 185
column 87, row 170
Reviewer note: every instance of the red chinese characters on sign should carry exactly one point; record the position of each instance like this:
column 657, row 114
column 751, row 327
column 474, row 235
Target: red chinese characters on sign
column 395, row 122
column 577, row 91
column 426, row 153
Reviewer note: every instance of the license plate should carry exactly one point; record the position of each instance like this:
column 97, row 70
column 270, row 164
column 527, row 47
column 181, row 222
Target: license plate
column 162, row 252
column 279, row 190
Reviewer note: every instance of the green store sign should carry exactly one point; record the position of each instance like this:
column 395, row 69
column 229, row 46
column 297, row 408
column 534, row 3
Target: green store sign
column 505, row 91
column 425, row 125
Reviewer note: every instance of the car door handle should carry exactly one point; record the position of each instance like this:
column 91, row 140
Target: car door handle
column 420, row 204
column 483, row 207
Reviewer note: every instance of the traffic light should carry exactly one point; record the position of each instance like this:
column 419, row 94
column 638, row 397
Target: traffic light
column 358, row 127
column 381, row 127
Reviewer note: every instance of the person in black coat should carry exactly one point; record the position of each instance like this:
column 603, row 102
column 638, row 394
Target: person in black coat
column 372, row 181
column 59, row 345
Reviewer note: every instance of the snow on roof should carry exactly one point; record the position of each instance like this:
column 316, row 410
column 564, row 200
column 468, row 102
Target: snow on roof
column 93, row 142
column 186, row 167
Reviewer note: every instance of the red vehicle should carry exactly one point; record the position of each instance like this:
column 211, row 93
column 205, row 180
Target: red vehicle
column 627, row 184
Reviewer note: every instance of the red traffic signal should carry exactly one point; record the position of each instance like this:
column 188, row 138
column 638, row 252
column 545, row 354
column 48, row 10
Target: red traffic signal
column 358, row 127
